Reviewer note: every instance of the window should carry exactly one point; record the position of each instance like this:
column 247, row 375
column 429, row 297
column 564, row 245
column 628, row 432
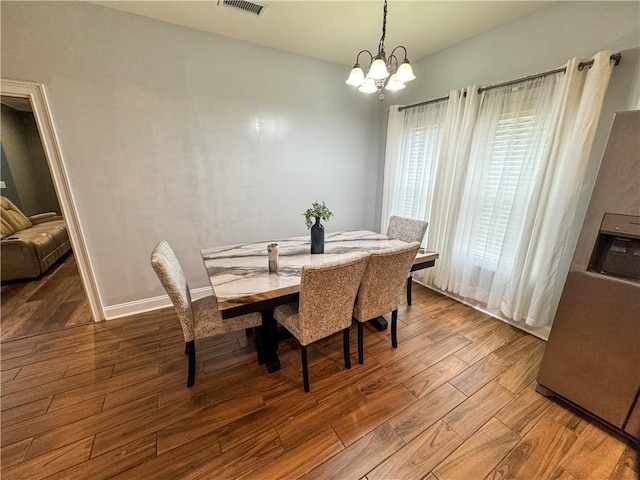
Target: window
column 509, row 185
column 417, row 163
column 506, row 174
column 421, row 149
column 513, row 154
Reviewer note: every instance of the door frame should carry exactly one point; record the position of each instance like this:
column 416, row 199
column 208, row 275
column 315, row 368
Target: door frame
column 36, row 93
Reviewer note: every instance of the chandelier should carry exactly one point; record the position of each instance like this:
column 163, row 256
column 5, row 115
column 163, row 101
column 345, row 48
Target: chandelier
column 382, row 71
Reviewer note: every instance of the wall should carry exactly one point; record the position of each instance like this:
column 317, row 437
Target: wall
column 541, row 41
column 28, row 172
column 172, row 133
column 9, row 189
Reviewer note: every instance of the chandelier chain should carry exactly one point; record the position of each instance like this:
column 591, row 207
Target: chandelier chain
column 384, row 29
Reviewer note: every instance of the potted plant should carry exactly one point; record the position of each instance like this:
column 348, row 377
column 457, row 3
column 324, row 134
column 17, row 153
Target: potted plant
column 319, row 211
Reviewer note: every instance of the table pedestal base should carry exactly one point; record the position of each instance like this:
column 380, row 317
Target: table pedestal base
column 270, row 341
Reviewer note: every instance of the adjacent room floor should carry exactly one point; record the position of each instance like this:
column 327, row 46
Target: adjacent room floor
column 456, row 400
column 54, row 301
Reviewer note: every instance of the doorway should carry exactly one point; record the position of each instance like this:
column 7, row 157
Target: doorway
column 76, row 267
column 55, row 299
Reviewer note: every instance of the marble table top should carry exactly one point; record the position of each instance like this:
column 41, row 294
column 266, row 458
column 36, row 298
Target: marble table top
column 239, row 274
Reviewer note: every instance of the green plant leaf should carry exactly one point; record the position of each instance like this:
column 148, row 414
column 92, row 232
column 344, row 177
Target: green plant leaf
column 317, row 210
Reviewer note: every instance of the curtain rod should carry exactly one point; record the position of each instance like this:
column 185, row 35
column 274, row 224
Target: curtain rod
column 615, row 57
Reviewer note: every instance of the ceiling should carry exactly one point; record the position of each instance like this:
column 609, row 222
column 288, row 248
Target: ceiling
column 336, row 30
column 17, row 103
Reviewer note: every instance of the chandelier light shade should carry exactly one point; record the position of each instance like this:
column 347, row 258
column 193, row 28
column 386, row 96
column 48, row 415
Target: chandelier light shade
column 356, row 77
column 378, row 69
column 394, row 83
column 368, row 86
column 382, row 72
column 405, row 72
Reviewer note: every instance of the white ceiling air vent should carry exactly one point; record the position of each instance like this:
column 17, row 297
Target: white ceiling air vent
column 244, row 5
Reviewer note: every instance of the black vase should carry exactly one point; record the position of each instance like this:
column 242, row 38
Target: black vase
column 317, row 237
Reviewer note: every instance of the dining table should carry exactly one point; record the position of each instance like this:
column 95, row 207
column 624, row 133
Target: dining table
column 242, row 283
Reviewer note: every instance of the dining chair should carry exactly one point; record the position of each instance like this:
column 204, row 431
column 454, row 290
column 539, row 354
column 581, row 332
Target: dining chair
column 381, row 288
column 200, row 318
column 325, row 307
column 408, row 230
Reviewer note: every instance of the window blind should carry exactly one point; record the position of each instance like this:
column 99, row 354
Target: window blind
column 422, row 152
column 506, row 174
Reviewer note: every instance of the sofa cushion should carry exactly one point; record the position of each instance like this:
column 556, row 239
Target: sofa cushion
column 19, row 260
column 13, row 219
column 27, row 254
column 56, row 229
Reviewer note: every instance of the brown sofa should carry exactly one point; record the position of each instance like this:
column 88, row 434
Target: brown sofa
column 30, row 245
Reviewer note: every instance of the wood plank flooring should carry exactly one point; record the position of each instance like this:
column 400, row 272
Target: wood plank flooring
column 51, row 302
column 456, row 400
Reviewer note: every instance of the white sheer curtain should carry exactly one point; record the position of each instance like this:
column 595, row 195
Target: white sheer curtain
column 413, row 147
column 391, row 161
column 552, row 222
column 510, row 137
column 505, row 171
column 452, row 166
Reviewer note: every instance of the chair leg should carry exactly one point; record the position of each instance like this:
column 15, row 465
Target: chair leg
column 186, row 347
column 305, row 372
column 191, row 350
column 257, row 334
column 394, row 328
column 247, row 332
column 360, row 343
column 409, row 283
column 345, row 347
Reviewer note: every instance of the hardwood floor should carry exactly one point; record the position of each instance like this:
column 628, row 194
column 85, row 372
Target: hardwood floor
column 456, row 400
column 51, row 302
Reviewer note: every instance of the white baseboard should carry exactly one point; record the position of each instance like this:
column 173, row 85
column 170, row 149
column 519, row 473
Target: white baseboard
column 542, row 332
column 149, row 304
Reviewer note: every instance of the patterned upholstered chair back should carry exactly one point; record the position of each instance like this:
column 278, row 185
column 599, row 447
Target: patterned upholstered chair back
column 327, row 296
column 407, row 229
column 167, row 267
column 201, row 318
column 382, row 286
